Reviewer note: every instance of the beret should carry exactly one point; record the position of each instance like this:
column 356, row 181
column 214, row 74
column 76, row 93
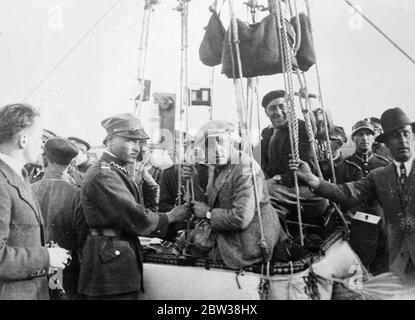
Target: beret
column 271, row 96
column 61, row 147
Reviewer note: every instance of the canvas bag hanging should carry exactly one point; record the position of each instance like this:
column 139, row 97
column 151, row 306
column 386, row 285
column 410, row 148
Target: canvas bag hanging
column 210, row 50
column 306, row 56
column 259, row 48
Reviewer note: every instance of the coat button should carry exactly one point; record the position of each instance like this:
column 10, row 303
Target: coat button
column 117, row 252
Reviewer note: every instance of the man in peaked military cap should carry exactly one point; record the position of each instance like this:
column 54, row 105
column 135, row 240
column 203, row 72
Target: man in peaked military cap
column 363, row 159
column 112, row 259
column 59, row 200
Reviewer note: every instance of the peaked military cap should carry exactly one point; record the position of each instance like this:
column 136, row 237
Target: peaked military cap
column 124, row 125
column 363, row 124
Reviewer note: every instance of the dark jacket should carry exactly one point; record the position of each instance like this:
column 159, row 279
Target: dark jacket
column 59, row 200
column 24, row 261
column 344, row 172
column 382, row 185
column 234, row 217
column 169, row 186
column 110, row 200
column 284, row 150
column 362, row 164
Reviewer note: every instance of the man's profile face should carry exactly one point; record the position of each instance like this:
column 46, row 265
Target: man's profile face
column 401, row 143
column 125, row 149
column 33, row 141
column 276, row 111
column 82, row 156
column 363, row 140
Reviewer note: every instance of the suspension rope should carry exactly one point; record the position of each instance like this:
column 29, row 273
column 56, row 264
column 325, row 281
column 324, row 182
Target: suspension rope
column 145, row 31
column 325, row 120
column 380, row 31
column 306, row 113
column 243, row 123
column 183, row 8
column 278, row 11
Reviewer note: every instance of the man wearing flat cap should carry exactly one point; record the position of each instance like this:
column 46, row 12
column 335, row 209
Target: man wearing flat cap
column 363, row 159
column 392, row 186
column 112, row 257
column 59, row 200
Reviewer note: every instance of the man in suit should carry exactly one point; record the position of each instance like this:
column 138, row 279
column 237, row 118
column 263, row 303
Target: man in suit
column 59, row 200
column 24, row 259
column 392, row 186
column 111, row 265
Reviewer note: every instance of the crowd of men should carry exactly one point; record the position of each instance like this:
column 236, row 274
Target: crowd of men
column 97, row 210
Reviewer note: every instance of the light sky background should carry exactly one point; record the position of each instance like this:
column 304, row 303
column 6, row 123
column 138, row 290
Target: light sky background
column 362, row 74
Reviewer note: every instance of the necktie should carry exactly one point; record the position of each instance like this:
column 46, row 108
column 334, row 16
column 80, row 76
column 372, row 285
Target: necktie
column 403, row 177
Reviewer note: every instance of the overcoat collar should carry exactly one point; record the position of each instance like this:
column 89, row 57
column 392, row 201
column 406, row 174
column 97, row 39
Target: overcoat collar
column 22, row 188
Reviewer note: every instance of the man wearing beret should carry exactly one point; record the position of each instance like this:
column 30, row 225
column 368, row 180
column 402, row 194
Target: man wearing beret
column 392, row 186
column 275, row 156
column 363, row 159
column 112, row 258
column 59, row 200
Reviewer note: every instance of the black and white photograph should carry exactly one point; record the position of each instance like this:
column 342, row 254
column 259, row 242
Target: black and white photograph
column 197, row 154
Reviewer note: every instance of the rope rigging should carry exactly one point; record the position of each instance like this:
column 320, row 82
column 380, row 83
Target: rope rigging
column 145, row 31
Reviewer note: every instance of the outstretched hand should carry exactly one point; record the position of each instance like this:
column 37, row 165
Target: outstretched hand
column 304, row 172
column 179, row 213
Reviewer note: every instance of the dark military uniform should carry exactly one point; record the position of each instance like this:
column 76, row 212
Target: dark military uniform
column 344, row 172
column 362, row 164
column 373, row 252
column 112, row 264
column 112, row 258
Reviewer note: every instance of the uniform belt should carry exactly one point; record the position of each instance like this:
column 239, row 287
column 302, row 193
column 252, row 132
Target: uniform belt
column 104, row 232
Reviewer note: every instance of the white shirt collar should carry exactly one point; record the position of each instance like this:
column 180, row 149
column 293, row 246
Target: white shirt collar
column 408, row 165
column 12, row 163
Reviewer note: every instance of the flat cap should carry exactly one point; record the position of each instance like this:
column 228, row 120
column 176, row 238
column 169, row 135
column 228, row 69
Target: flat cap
column 363, row 124
column 124, row 125
column 61, row 147
column 80, row 141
